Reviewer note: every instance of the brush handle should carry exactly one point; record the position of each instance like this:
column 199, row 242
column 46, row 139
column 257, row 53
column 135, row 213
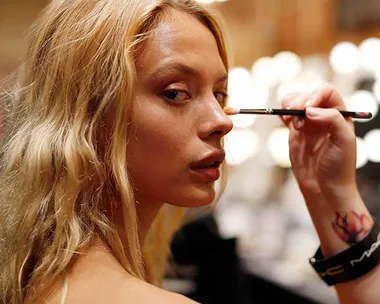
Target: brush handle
column 292, row 112
column 287, row 112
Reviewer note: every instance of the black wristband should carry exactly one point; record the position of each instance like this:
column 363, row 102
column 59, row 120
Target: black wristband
column 351, row 263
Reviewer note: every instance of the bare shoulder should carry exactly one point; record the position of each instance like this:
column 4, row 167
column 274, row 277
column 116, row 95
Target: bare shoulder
column 98, row 278
column 147, row 293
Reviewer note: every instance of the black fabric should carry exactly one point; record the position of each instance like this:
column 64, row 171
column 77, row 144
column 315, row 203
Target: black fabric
column 219, row 279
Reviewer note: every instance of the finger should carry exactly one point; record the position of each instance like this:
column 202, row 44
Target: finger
column 287, row 100
column 298, row 103
column 296, row 145
column 326, row 96
column 294, row 101
column 333, row 122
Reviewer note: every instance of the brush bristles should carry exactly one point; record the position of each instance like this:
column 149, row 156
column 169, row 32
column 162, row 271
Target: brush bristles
column 231, row 111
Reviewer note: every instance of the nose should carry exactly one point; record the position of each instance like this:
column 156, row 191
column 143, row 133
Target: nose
column 216, row 123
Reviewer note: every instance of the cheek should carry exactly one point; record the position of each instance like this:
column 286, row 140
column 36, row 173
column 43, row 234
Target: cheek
column 162, row 144
column 157, row 153
column 160, row 131
column 158, row 164
column 156, row 142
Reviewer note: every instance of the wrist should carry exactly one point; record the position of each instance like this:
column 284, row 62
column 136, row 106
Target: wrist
column 324, row 203
column 346, row 230
column 333, row 214
column 342, row 195
column 351, row 263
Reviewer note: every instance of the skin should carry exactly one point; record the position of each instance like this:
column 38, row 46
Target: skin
column 182, row 82
column 167, row 136
column 323, row 155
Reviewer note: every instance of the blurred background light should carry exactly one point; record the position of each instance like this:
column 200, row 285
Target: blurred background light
column 287, row 65
column 369, row 51
column 363, row 101
column 372, row 142
column 377, row 74
column 278, row 146
column 264, row 71
column 361, row 153
column 305, row 82
column 239, row 82
column 243, row 93
column 240, row 145
column 268, row 71
column 344, row 57
column 376, row 89
column 240, row 91
column 236, row 222
column 317, row 66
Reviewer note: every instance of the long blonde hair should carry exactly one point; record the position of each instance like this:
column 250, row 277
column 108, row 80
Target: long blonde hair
column 64, row 156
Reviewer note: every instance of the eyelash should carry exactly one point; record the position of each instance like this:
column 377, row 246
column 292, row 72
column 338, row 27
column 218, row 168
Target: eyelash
column 165, row 94
column 224, row 97
column 173, row 101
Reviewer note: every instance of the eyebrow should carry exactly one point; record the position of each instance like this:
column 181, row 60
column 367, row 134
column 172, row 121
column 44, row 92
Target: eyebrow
column 183, row 68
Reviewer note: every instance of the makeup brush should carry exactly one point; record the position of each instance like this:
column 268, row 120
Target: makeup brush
column 234, row 111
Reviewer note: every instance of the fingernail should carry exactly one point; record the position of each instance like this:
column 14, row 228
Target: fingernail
column 298, row 122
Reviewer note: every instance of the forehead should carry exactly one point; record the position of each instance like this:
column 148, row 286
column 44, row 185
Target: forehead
column 180, row 37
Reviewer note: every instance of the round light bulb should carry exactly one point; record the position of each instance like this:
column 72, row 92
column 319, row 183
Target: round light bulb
column 278, row 146
column 369, row 51
column 240, row 145
column 361, row 153
column 363, row 101
column 344, row 57
column 372, row 141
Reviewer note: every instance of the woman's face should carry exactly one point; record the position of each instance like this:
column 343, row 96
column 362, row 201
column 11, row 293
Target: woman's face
column 174, row 149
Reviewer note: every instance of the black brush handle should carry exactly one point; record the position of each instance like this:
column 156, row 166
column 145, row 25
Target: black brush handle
column 293, row 112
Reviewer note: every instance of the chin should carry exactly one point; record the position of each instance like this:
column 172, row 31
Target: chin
column 198, row 197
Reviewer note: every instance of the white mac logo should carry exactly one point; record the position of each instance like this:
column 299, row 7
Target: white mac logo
column 366, row 254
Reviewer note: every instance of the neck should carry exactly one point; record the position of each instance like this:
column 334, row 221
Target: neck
column 146, row 212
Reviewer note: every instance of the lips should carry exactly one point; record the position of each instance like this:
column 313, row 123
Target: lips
column 210, row 160
column 207, row 168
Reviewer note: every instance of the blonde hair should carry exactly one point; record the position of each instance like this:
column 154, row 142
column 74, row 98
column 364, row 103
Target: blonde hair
column 64, row 156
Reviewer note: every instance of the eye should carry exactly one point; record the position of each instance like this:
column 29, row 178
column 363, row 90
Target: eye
column 176, row 96
column 221, row 97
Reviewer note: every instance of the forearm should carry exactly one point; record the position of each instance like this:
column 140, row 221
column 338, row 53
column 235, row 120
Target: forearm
column 364, row 290
column 322, row 150
column 323, row 211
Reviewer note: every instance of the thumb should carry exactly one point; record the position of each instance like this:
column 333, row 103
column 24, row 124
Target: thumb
column 340, row 129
